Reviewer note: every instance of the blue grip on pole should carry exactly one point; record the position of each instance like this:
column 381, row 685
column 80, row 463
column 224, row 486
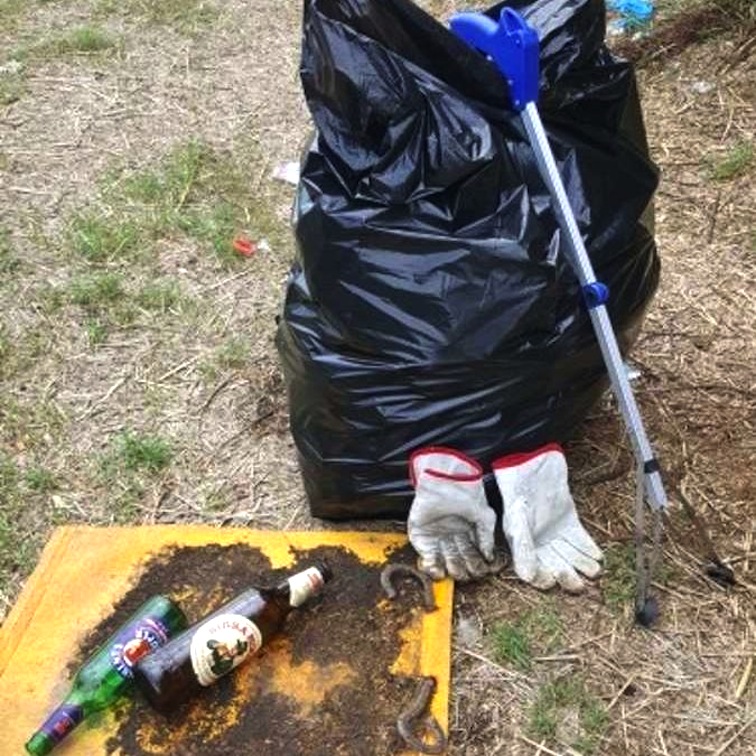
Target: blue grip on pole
column 595, row 294
column 511, row 44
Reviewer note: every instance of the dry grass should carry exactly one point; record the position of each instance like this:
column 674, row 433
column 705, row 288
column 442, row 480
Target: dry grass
column 673, row 30
column 140, row 383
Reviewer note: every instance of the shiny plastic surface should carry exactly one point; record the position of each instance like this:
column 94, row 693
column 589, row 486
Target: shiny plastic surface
column 431, row 302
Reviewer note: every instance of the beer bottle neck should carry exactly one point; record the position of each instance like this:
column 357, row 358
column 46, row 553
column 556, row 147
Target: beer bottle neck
column 56, row 728
column 301, row 587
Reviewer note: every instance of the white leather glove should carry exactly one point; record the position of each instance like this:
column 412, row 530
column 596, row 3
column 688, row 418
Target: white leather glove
column 450, row 524
column 548, row 543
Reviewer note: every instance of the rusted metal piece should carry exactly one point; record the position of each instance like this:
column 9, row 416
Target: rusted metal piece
column 391, row 571
column 417, row 713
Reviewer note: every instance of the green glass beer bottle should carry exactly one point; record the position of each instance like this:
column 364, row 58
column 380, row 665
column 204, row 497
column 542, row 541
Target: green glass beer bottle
column 107, row 675
column 219, row 642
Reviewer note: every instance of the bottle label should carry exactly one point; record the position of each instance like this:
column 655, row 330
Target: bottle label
column 221, row 644
column 305, row 584
column 135, row 641
column 62, row 721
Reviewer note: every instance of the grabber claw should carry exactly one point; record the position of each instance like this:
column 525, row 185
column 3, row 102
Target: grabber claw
column 647, row 614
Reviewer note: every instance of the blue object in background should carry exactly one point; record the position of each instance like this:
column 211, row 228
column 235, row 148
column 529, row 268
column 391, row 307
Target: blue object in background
column 633, row 13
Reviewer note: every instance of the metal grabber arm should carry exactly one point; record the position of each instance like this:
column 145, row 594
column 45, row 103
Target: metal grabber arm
column 513, row 46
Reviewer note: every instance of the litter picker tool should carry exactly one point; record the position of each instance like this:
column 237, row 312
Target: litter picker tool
column 513, row 46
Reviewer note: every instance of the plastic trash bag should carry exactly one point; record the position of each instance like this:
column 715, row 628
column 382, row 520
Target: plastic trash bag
column 431, row 302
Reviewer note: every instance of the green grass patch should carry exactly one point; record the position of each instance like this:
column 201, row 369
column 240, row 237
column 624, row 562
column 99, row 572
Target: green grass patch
column 29, row 425
column 20, row 352
column 234, row 353
column 40, row 479
column 167, row 186
column 618, row 579
column 511, row 645
column 127, row 469
column 10, row 541
column 539, row 630
column 85, row 39
column 12, row 82
column 186, row 16
column 544, row 624
column 20, row 505
column 137, row 452
column 97, row 292
column 734, row 164
column 97, row 331
column 215, row 225
column 82, row 40
column 11, row 12
column 105, row 303
column 9, row 477
column 49, row 299
column 103, row 237
column 6, row 350
column 558, row 702
column 193, row 192
column 160, row 296
column 9, row 263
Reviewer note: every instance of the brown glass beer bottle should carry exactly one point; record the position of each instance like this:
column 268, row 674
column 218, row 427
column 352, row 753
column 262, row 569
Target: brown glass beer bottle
column 218, row 643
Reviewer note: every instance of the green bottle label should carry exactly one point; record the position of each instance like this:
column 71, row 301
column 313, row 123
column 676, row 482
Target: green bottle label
column 135, row 641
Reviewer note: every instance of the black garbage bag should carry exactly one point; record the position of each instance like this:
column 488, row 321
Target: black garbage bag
column 431, row 302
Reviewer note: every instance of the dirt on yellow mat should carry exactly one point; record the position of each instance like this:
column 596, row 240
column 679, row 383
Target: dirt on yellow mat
column 335, row 680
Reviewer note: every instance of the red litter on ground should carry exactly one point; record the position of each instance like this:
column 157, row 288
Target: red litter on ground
column 244, row 246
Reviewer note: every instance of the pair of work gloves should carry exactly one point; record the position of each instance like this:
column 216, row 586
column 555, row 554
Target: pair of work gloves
column 451, row 526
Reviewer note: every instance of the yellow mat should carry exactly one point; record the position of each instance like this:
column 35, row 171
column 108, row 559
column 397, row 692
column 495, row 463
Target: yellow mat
column 84, row 572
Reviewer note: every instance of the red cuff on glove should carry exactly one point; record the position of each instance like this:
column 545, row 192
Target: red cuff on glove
column 476, row 471
column 519, row 458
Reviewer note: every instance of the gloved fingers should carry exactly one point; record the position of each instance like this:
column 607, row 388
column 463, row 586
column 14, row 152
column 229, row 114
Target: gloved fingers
column 485, row 524
column 498, row 563
column 455, row 563
column 579, row 537
column 517, row 531
column 475, row 565
column 543, row 579
column 427, row 545
column 526, row 568
column 580, row 561
column 432, row 564
column 543, row 575
column 561, row 570
column 570, row 580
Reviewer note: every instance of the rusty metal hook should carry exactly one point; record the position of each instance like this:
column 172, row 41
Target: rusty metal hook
column 392, row 570
column 409, row 718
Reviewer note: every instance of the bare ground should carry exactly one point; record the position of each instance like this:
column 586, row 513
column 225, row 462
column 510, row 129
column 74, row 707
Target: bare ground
column 231, row 83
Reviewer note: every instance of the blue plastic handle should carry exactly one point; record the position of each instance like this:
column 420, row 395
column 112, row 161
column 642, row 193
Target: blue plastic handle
column 511, row 44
